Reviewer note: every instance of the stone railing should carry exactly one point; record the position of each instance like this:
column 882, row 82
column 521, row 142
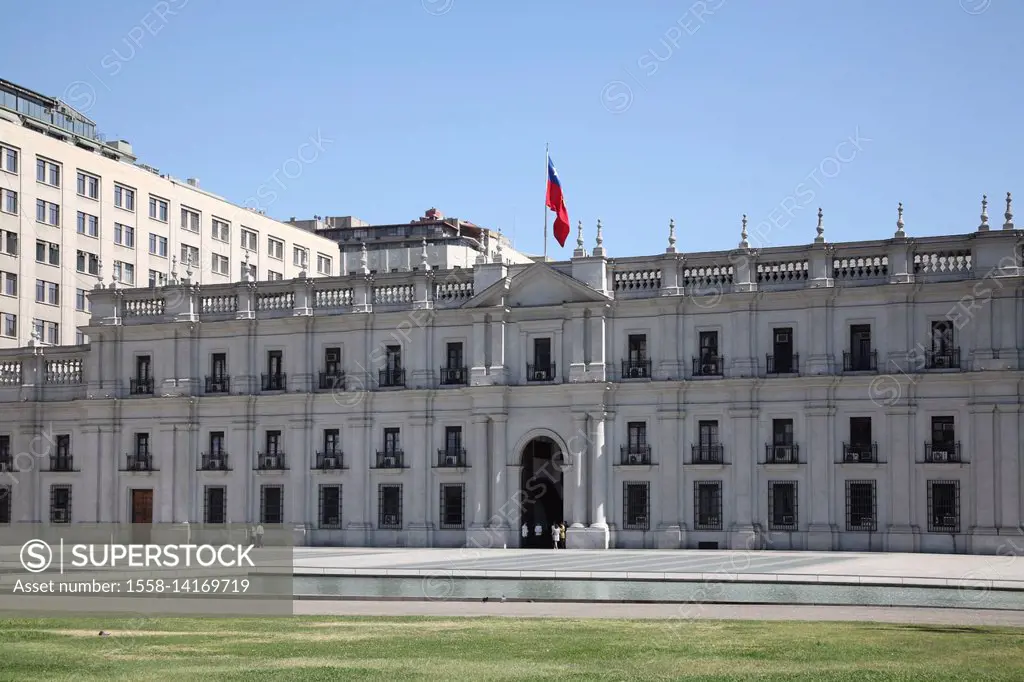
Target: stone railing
column 42, row 373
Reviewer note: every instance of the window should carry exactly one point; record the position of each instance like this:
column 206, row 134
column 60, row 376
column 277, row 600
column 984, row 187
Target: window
column 37, row 329
column 189, row 219
column 124, row 235
column 47, row 292
column 942, row 336
column 860, row 437
column 275, row 363
column 943, row 354
column 782, row 431
column 709, row 363
column 124, row 197
column 332, row 440
column 5, row 504
column 453, row 441
column 330, row 506
column 323, row 264
column 189, row 255
column 217, row 443
column 636, row 366
column 782, row 503
column 275, row 248
column 782, row 360
column 943, row 446
column 47, row 213
column 707, row 432
column 220, row 230
column 9, row 242
column 60, row 503
column 81, row 339
column 861, row 358
column 332, row 361
column 273, row 442
column 215, row 504
column 707, row 505
column 454, row 355
column 87, row 263
column 271, row 504
column 247, row 270
column 943, row 506
column 637, row 435
column 88, row 185
column 157, row 279
column 9, row 201
column 249, row 240
column 220, row 264
column 8, row 284
column 158, row 245
column 8, row 159
column 392, row 440
column 389, row 506
column 88, row 225
column 636, row 503
column 47, row 172
column 453, row 506
column 274, row 276
column 124, row 272
column 393, row 358
column 142, row 368
column 47, row 253
column 158, row 209
column 10, row 325
column 860, row 506
column 541, row 369
column 142, row 444
column 300, row 257
column 82, row 302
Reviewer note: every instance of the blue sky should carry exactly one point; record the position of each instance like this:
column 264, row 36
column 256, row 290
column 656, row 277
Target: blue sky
column 653, row 110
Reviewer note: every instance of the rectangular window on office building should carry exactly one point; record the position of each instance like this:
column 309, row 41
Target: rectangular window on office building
column 389, row 506
column 330, row 506
column 636, row 505
column 47, row 172
column 8, row 284
column 215, row 504
column 9, row 201
column 157, row 245
column 220, row 230
column 189, row 219
column 453, row 506
column 158, row 209
column 9, row 325
column 124, row 197
column 219, row 264
column 82, row 302
column 88, row 224
column 272, row 504
column 88, row 186
column 250, row 239
column 8, row 159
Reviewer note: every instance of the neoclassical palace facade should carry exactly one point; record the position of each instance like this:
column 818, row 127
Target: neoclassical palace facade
column 848, row 396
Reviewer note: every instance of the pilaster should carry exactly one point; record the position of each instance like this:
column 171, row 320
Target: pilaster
column 742, row 534
column 819, row 459
column 500, row 469
column 498, row 370
column 669, row 457
column 902, row 453
column 598, row 338
column 982, row 455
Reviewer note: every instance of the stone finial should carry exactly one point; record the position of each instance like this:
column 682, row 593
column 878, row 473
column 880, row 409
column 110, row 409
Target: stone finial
column 188, row 266
column 174, row 270
column 579, row 235
column 899, row 221
column 248, row 271
column 1008, row 225
column 820, row 239
column 499, row 252
column 983, row 227
column 424, row 258
column 99, row 273
column 35, row 337
column 599, row 249
column 744, row 244
column 364, row 261
column 671, row 236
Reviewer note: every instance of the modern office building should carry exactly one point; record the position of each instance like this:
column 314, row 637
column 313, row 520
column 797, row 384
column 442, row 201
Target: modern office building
column 73, row 207
column 848, row 396
column 451, row 243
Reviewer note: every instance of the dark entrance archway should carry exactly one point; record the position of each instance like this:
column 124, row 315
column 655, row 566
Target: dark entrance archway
column 540, row 482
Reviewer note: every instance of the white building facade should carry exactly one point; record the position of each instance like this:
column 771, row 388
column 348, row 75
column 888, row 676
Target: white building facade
column 72, row 206
column 857, row 396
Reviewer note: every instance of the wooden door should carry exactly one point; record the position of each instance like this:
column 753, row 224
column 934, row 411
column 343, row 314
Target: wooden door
column 142, row 514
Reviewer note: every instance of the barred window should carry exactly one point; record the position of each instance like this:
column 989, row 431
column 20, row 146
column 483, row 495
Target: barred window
column 707, row 505
column 60, row 503
column 782, row 505
column 861, row 506
column 215, row 504
column 389, row 506
column 943, row 506
column 453, row 506
column 272, row 504
column 5, row 504
column 636, row 502
column 330, row 506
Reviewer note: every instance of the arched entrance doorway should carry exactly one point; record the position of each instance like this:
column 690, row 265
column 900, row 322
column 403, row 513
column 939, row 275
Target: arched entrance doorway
column 540, row 485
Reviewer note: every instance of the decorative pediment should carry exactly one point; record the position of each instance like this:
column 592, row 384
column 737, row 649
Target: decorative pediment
column 536, row 286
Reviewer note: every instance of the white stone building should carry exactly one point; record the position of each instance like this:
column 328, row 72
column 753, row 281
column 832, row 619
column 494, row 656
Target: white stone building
column 72, row 204
column 854, row 396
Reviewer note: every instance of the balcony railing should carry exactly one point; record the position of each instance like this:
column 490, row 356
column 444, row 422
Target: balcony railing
column 62, row 463
column 273, row 382
column 783, row 364
column 860, row 452
column 942, row 359
column 636, row 369
column 860, row 362
column 390, row 378
column 332, row 381
column 540, row 372
column 942, row 451
column 270, row 461
column 139, row 461
column 635, row 454
column 329, row 460
column 709, row 366
column 218, row 384
column 451, row 457
column 781, row 453
column 713, row 453
column 214, row 461
column 453, row 376
column 389, row 459
column 141, row 386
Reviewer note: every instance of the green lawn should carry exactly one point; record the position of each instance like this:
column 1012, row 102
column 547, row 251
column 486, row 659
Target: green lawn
column 500, row 649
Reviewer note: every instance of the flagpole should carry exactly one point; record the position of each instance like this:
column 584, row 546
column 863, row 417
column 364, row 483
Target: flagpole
column 546, row 181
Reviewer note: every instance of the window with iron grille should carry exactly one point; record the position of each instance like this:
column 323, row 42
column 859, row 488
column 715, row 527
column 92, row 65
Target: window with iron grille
column 60, row 503
column 861, row 506
column 782, row 505
column 943, row 506
column 272, row 504
column 636, row 503
column 453, row 506
column 5, row 504
column 330, row 506
column 389, row 506
column 215, row 504
column 707, row 505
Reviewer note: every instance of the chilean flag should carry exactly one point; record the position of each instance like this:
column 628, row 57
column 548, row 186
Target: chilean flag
column 556, row 202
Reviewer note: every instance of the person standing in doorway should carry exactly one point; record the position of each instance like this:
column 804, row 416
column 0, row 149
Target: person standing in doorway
column 561, row 534
column 526, row 531
column 555, row 534
column 259, row 535
column 538, row 530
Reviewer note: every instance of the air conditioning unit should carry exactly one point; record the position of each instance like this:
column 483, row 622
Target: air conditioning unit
column 853, row 457
column 782, row 337
column 635, row 372
column 635, row 458
column 389, row 462
column 787, row 520
column 867, row 521
column 390, row 520
column 711, row 521
column 949, row 520
column 782, row 454
column 331, row 357
column 330, row 462
column 940, row 455
column 540, row 376
column 60, row 515
column 640, row 521
column 216, row 464
column 5, row 466
column 270, row 462
column 451, row 460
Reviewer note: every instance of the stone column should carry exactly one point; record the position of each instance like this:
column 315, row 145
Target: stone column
column 478, row 460
column 902, row 456
column 818, row 458
column 669, row 457
column 578, row 366
column 499, row 473
column 1008, row 418
column 419, row 459
column 357, row 493
column 164, row 449
column 498, row 369
column 478, row 361
column 597, row 367
column 577, row 478
column 981, row 453
column 599, row 459
column 744, row 421
column 298, row 454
